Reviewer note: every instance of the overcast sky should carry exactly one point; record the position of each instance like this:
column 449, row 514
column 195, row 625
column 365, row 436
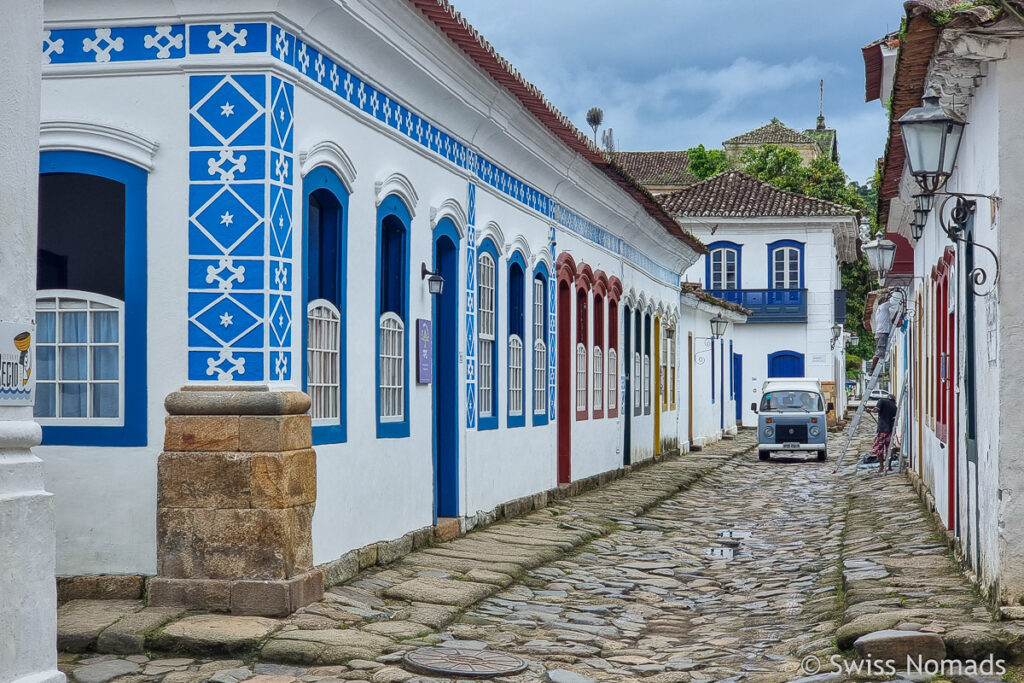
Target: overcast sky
column 671, row 74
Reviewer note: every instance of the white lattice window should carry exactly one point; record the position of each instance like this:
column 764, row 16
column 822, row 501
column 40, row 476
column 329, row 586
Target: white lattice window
column 723, row 268
column 663, row 370
column 786, row 268
column 515, row 375
column 613, row 379
column 540, row 377
column 538, row 308
column 672, row 368
column 581, row 377
column 598, row 378
column 323, row 368
column 647, row 382
column 79, row 358
column 392, row 368
column 485, row 321
column 637, row 384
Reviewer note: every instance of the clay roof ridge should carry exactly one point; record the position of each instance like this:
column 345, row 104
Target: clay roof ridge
column 451, row 22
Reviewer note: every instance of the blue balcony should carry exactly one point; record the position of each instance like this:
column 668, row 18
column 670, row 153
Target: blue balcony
column 768, row 305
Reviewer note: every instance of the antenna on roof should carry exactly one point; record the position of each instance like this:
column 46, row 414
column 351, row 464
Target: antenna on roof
column 821, row 104
column 608, row 140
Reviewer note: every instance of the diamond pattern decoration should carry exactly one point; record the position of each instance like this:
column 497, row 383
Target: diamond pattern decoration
column 227, row 217
column 230, row 112
column 226, row 320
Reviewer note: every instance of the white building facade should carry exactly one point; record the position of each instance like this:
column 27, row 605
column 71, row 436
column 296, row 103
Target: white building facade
column 777, row 254
column 958, row 354
column 261, row 198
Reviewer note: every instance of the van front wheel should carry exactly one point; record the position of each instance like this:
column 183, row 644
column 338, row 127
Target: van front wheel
column 764, row 455
column 822, row 455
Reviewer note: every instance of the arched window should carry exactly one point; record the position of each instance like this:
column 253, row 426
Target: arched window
column 663, row 369
column 582, row 359
column 487, row 328
column 393, row 219
column 516, row 332
column 598, row 354
column 91, row 301
column 723, row 265
column 581, row 377
column 647, row 364
column 638, row 376
column 613, row 381
column 540, row 347
column 326, row 202
column 613, row 357
column 785, row 265
column 672, row 363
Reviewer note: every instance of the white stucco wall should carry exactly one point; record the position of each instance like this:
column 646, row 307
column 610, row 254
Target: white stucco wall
column 369, row 489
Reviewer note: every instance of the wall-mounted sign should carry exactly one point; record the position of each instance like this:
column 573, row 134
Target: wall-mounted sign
column 17, row 378
column 819, row 359
column 424, row 351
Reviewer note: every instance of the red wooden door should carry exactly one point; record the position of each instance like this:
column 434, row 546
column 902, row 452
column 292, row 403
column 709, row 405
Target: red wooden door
column 565, row 393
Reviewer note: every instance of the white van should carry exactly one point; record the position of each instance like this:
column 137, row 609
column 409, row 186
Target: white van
column 791, row 417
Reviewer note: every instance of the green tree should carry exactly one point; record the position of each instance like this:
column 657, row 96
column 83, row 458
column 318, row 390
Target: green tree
column 705, row 163
column 825, row 179
column 780, row 166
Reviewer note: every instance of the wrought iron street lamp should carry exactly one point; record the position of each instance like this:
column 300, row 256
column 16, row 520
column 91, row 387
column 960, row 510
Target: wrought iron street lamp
column 917, row 225
column 880, row 254
column 718, row 325
column 925, row 201
column 931, row 137
column 837, row 331
column 435, row 283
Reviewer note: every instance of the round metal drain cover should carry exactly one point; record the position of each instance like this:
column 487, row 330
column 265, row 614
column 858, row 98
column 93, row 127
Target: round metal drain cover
column 464, row 662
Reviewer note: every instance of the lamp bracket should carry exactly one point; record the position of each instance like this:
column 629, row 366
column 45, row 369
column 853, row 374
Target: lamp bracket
column 956, row 226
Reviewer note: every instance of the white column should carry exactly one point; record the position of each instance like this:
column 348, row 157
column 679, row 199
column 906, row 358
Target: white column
column 28, row 594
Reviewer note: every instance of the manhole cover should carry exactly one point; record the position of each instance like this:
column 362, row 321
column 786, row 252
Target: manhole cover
column 463, row 662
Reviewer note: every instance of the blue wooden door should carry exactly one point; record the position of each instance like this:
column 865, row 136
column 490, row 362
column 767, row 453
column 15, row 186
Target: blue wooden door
column 786, row 364
column 737, row 384
column 446, row 375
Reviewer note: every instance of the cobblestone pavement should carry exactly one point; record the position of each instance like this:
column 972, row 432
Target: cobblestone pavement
column 712, row 566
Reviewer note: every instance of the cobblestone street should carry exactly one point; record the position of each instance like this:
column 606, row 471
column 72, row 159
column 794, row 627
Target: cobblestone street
column 712, row 566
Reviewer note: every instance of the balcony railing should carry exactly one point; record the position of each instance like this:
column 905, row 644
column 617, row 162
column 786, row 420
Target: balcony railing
column 768, row 305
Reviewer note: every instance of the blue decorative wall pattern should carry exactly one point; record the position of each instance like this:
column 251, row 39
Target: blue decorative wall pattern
column 471, row 309
column 240, row 175
column 242, row 166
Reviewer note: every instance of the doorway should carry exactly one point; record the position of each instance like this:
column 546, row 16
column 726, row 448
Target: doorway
column 737, row 385
column 565, row 394
column 786, row 364
column 627, row 394
column 446, row 373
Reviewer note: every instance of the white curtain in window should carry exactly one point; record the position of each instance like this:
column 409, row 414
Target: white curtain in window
column 392, row 368
column 613, row 379
column 598, row 378
column 581, row 377
column 323, row 381
column 637, row 381
column 647, row 381
column 515, row 375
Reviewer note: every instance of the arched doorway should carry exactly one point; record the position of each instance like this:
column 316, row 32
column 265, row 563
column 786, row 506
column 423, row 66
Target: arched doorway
column 565, row 395
column 446, row 372
column 786, row 364
column 627, row 392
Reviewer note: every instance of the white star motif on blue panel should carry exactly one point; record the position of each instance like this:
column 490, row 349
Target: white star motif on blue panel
column 227, row 109
column 227, row 218
column 226, row 320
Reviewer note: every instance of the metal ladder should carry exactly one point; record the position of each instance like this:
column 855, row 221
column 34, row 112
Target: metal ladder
column 871, row 386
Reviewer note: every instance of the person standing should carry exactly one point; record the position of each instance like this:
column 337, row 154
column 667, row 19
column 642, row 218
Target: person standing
column 883, row 438
column 881, row 325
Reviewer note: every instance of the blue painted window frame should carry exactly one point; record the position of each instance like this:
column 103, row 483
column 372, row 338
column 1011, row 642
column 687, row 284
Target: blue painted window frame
column 485, row 422
column 724, row 244
column 133, row 432
column 517, row 323
column 323, row 178
column 398, row 267
column 540, row 418
column 780, row 244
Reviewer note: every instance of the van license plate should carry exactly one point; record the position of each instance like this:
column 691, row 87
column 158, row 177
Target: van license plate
column 791, row 444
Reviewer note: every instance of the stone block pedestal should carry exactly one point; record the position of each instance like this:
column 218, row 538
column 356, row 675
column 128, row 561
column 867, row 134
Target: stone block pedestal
column 236, row 488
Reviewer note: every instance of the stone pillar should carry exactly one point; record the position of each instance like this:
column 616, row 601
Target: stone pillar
column 236, row 488
column 28, row 591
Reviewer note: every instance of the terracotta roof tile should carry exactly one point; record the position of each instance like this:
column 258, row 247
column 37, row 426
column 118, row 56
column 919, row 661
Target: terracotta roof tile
column 453, row 25
column 738, row 194
column 657, row 168
column 698, row 291
column 774, row 133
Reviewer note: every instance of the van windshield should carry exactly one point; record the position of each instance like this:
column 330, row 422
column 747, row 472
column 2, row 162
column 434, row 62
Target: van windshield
column 784, row 401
